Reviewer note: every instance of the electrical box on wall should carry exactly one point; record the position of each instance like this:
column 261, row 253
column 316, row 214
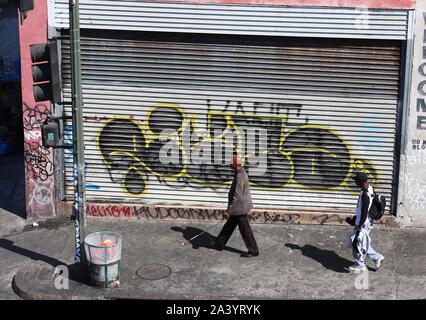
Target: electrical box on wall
column 50, row 133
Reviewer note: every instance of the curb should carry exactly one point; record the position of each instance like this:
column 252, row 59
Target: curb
column 36, row 281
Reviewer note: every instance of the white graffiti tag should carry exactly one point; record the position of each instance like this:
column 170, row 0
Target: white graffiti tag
column 33, row 135
column 41, row 195
column 416, row 192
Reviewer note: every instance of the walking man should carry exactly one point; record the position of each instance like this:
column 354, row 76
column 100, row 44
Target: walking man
column 239, row 205
column 360, row 240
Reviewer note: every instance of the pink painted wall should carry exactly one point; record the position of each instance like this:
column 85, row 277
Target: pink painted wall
column 384, row 4
column 39, row 184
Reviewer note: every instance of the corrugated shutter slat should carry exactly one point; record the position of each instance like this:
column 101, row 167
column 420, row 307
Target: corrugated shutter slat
column 237, row 19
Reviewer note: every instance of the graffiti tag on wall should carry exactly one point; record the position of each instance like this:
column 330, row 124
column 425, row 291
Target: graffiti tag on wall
column 208, row 214
column 416, row 192
column 309, row 155
column 176, row 213
column 37, row 158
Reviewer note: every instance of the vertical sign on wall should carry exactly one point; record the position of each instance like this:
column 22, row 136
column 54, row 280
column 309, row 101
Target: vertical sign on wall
column 417, row 130
column 420, row 111
column 414, row 176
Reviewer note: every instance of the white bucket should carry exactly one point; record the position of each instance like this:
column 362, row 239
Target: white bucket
column 103, row 252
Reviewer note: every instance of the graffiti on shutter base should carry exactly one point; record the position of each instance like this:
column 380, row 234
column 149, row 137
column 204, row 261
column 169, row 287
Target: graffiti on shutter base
column 175, row 213
column 151, row 212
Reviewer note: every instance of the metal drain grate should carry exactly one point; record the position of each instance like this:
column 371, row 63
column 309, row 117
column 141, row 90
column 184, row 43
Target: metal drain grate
column 153, row 271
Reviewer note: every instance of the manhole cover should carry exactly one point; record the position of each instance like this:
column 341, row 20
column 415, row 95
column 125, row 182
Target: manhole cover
column 153, row 271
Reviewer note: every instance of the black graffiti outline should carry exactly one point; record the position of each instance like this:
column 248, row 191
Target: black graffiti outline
column 37, row 161
column 34, row 117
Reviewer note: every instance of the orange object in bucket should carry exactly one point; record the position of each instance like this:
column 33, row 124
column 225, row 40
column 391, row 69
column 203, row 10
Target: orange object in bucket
column 106, row 243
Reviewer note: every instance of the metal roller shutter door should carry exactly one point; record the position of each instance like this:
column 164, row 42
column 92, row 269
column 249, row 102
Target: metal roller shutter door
column 329, row 106
column 237, row 19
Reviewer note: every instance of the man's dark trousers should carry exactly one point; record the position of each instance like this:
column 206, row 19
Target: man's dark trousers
column 245, row 230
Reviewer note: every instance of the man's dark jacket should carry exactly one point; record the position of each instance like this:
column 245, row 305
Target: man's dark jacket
column 239, row 197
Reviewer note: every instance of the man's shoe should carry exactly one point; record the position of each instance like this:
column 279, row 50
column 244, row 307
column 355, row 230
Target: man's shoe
column 249, row 255
column 378, row 262
column 357, row 268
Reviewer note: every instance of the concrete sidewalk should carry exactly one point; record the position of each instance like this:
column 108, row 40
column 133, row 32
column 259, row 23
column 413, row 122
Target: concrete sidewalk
column 10, row 223
column 295, row 262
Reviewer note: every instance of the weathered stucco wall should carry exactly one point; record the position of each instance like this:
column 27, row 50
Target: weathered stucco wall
column 39, row 168
column 412, row 191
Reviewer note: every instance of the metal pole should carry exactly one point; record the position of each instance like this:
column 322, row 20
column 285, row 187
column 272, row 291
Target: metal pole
column 79, row 204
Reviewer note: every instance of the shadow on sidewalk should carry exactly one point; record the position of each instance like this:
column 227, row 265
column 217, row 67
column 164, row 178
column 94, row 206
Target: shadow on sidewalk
column 206, row 240
column 77, row 272
column 328, row 258
column 9, row 245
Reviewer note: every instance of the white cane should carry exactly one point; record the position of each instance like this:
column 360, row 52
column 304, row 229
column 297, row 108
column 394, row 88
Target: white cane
column 189, row 241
